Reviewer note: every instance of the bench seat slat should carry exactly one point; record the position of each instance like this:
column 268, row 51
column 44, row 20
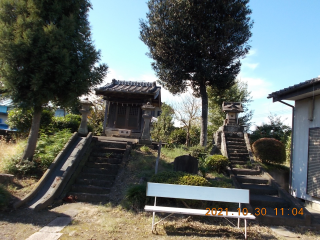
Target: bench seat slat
column 198, row 192
column 199, row 212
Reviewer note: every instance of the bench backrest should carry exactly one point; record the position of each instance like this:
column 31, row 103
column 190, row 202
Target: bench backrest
column 198, row 193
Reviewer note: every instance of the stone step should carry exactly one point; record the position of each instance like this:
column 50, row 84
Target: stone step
column 237, row 150
column 101, row 165
column 89, row 197
column 234, row 135
column 80, row 188
column 264, row 201
column 95, row 182
column 101, row 149
column 239, row 157
column 97, row 153
column 108, row 144
column 237, row 146
column 239, row 162
column 260, row 189
column 241, row 171
column 105, row 160
column 109, row 177
column 252, row 179
column 107, row 171
column 235, row 139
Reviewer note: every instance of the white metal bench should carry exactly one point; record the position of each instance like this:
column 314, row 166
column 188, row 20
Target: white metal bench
column 199, row 193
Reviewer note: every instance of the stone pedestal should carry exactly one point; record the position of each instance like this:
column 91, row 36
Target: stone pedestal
column 85, row 110
column 145, row 137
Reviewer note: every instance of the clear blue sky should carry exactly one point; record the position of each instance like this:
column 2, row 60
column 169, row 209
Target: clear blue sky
column 285, row 47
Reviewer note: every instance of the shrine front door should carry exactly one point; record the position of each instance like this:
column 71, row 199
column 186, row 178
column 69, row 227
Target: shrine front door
column 128, row 117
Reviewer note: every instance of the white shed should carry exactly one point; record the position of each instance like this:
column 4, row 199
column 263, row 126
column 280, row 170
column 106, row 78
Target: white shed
column 305, row 158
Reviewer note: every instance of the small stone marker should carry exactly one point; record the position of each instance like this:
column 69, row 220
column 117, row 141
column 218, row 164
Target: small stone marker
column 186, row 163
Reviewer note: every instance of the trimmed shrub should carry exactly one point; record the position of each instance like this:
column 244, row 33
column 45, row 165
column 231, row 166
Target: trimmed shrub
column 217, row 163
column 4, row 197
column 180, row 178
column 198, row 151
column 269, row 150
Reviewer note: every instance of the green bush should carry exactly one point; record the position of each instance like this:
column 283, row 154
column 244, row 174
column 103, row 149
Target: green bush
column 145, row 149
column 136, row 196
column 198, row 151
column 4, row 197
column 70, row 121
column 178, row 136
column 21, row 119
column 180, row 178
column 269, row 150
column 217, row 163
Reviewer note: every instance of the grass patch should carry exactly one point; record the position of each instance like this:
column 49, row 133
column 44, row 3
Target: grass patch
column 172, row 153
column 48, row 147
column 8, row 151
column 274, row 166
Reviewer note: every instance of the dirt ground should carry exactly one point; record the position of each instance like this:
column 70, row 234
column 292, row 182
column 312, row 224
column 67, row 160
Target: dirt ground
column 111, row 221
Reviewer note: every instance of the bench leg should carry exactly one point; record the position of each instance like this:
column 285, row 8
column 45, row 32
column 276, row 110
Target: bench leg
column 153, row 220
column 245, row 229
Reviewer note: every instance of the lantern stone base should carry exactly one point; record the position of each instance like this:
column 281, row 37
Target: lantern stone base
column 232, row 128
column 145, row 141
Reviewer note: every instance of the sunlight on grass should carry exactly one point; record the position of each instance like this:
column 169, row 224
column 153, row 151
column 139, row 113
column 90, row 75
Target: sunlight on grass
column 8, row 150
column 173, row 153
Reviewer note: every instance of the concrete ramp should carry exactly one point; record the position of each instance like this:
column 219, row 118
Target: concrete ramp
column 54, row 180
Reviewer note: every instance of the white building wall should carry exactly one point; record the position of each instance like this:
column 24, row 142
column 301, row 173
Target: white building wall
column 300, row 145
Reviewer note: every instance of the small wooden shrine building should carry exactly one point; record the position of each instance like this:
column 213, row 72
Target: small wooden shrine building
column 124, row 115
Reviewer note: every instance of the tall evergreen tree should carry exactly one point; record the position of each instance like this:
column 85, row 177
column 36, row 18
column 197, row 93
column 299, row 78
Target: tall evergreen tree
column 197, row 43
column 46, row 54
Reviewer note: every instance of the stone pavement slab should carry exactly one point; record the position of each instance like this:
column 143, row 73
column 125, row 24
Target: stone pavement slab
column 56, row 225
column 44, row 235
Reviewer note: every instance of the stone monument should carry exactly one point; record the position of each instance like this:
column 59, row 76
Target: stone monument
column 85, row 110
column 146, row 137
column 186, row 163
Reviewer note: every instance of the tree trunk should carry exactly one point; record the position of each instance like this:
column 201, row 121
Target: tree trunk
column 204, row 115
column 33, row 135
column 188, row 138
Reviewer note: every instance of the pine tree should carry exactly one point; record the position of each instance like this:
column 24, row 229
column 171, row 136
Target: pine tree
column 46, row 54
column 197, row 43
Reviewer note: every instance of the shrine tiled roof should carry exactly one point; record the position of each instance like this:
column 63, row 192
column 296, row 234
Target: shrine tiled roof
column 130, row 87
column 299, row 89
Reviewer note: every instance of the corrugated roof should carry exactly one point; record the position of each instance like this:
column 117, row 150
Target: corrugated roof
column 130, row 87
column 294, row 87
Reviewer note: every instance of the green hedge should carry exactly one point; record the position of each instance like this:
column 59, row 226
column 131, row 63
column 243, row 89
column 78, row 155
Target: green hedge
column 269, row 150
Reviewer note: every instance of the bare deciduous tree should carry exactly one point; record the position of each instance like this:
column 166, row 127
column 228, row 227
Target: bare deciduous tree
column 188, row 113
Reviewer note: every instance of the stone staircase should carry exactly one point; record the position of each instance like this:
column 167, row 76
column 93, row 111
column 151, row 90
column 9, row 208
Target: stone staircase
column 94, row 182
column 264, row 197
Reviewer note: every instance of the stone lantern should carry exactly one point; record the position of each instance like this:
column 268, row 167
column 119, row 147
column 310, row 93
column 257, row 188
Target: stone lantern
column 85, row 110
column 145, row 137
column 232, row 109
